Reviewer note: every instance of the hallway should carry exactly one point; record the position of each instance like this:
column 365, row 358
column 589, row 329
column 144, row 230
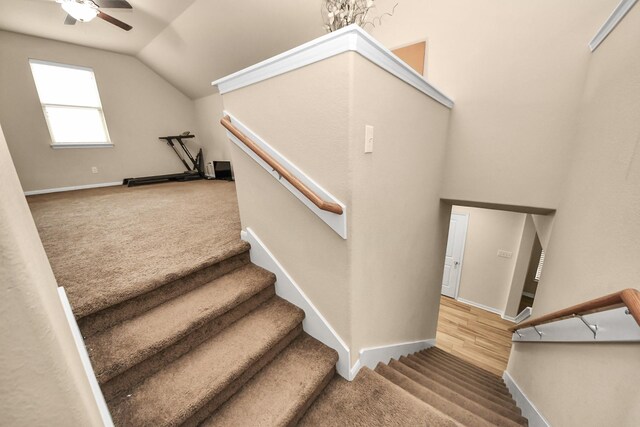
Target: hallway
column 473, row 334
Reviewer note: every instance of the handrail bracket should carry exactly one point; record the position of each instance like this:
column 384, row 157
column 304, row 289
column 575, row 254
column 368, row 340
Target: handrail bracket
column 536, row 329
column 592, row 328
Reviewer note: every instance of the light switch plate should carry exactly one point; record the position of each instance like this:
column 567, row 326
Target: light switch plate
column 368, row 139
column 504, row 254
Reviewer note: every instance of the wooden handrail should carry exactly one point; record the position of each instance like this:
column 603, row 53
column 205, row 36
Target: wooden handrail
column 627, row 297
column 293, row 180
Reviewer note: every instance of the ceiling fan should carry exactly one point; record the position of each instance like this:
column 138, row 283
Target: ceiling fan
column 86, row 10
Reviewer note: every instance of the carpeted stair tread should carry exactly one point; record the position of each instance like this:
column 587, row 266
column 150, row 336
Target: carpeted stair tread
column 489, row 411
column 464, row 370
column 85, row 303
column 436, row 364
column 371, row 400
column 128, row 343
column 283, row 390
column 111, row 316
column 463, row 362
column 174, row 394
column 446, row 378
column 430, row 397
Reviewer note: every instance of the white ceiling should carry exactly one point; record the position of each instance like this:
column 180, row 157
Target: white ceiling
column 189, row 42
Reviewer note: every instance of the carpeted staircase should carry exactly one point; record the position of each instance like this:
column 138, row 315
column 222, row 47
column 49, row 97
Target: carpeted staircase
column 216, row 347
column 182, row 329
column 431, row 387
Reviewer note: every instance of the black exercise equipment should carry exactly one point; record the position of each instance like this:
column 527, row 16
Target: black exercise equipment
column 194, row 171
column 222, row 170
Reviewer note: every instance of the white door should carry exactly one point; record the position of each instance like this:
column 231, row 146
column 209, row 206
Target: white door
column 453, row 257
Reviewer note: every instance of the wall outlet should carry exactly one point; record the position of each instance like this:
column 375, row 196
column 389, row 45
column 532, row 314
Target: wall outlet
column 94, row 169
column 504, row 254
column 368, row 139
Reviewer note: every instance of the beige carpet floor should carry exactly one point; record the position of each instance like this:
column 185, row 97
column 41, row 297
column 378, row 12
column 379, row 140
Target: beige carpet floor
column 109, row 244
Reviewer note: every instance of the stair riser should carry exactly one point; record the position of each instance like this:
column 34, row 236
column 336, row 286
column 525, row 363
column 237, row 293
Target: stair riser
column 463, row 369
column 110, row 316
column 451, row 357
column 463, row 389
column 437, row 364
column 473, row 402
column 428, row 396
column 461, row 378
column 119, row 384
column 447, row 378
column 210, row 407
column 473, row 369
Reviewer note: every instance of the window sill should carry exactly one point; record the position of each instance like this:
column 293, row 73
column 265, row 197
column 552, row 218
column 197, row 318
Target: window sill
column 98, row 145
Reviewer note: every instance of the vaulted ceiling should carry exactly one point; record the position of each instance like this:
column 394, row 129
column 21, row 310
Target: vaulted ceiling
column 188, row 42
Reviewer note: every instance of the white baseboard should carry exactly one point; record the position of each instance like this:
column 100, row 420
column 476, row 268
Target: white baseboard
column 72, row 188
column 314, row 323
column 508, row 318
column 482, row 306
column 524, row 314
column 86, row 362
column 529, row 410
column 370, row 357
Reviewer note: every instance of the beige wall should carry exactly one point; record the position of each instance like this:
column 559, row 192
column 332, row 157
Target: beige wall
column 212, row 39
column 486, row 278
column 594, row 248
column 139, row 106
column 516, row 72
column 41, row 377
column 544, row 227
column 521, row 268
column 381, row 285
column 208, row 114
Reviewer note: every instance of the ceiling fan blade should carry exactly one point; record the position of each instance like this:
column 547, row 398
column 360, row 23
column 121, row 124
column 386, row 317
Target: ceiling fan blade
column 110, row 19
column 113, row 4
column 70, row 20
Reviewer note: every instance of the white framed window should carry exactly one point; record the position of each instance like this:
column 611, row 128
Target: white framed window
column 71, row 105
column 539, row 269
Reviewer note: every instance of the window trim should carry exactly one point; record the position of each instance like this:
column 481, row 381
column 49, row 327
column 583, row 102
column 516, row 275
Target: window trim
column 57, row 145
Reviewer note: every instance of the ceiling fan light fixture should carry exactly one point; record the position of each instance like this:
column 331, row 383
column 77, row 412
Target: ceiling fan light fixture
column 80, row 10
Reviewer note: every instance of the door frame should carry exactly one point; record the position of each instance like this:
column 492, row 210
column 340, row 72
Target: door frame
column 464, row 243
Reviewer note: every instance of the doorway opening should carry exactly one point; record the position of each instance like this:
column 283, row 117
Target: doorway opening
column 492, row 266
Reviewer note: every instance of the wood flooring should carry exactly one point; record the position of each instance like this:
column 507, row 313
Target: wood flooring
column 473, row 334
